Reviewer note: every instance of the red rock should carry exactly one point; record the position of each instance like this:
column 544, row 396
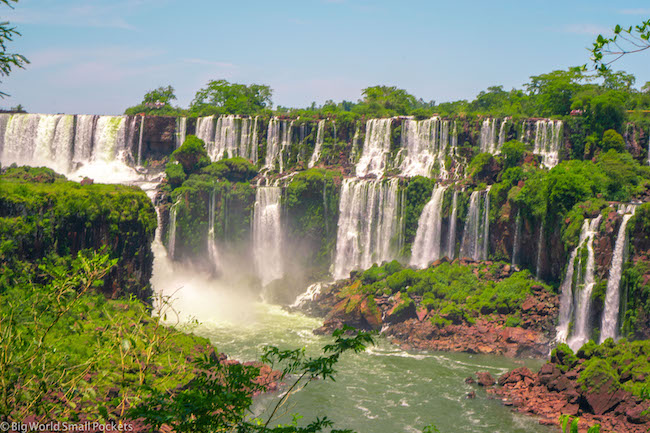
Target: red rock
column 636, row 414
column 603, row 400
column 485, row 379
column 86, row 181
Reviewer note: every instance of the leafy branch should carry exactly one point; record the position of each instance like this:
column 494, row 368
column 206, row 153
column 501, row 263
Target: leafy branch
column 9, row 60
column 633, row 39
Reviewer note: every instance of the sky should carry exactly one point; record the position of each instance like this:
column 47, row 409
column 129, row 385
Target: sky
column 100, row 57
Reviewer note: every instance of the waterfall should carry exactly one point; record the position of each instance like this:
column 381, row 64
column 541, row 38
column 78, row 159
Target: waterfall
column 515, row 242
column 566, row 289
column 486, row 226
column 368, row 223
column 319, row 143
column 540, row 243
column 171, row 240
column 547, row 141
column 205, row 130
column 425, row 143
column 213, row 252
column 428, row 238
column 477, row 228
column 225, row 138
column 181, row 130
column 609, row 325
column 376, row 148
column 140, row 140
column 95, row 147
column 502, row 133
column 267, row 234
column 248, row 139
column 277, row 142
column 583, row 304
column 451, row 245
column 355, row 146
column 488, row 142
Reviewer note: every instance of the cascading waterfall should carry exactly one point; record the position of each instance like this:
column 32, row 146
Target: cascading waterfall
column 477, row 225
column 355, row 146
column 583, row 304
column 369, row 222
column 267, row 234
column 425, row 143
column 213, row 251
column 376, row 148
column 547, row 141
column 205, row 130
column 140, row 140
column 566, row 289
column 76, row 146
column 488, row 141
column 181, row 130
column 502, row 133
column 428, row 238
column 609, row 325
column 320, row 137
column 451, row 243
column 515, row 242
column 171, row 239
column 278, row 140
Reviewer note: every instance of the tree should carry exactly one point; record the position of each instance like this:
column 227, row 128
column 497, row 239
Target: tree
column 161, row 94
column 388, row 98
column 9, row 60
column 606, row 51
column 552, row 93
column 233, row 98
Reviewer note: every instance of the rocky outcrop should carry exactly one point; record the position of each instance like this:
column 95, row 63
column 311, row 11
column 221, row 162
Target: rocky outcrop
column 41, row 213
column 553, row 391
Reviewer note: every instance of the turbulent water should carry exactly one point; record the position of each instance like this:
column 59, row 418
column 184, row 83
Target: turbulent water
column 267, row 234
column 382, row 390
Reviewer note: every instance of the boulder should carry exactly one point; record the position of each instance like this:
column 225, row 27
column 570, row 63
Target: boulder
column 603, row 400
column 485, row 379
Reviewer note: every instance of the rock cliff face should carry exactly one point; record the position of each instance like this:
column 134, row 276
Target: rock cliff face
column 42, row 213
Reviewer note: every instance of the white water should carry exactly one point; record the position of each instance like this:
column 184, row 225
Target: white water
column 355, row 145
column 547, row 141
column 609, row 325
column 426, row 144
column 76, row 146
column 566, row 289
column 171, row 240
column 502, row 133
column 451, row 242
column 278, row 141
column 205, row 130
column 140, row 140
column 181, row 130
column 213, row 251
column 488, row 142
column 428, row 238
column 228, row 137
column 267, row 234
column 583, row 304
column 320, row 137
column 368, row 223
column 376, row 148
column 515, row 242
column 477, row 227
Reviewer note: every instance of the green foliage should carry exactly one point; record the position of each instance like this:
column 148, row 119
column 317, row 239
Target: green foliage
column 175, row 174
column 552, row 92
column 41, row 213
column 383, row 101
column 477, row 168
column 418, row 193
column 162, row 95
column 564, row 357
column 9, row 60
column 613, row 140
column 231, row 98
column 513, row 153
column 235, row 169
column 606, row 50
column 191, row 155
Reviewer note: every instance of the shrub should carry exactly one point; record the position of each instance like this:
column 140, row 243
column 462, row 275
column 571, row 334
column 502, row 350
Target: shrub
column 612, row 140
column 235, row 169
column 175, row 174
column 192, row 154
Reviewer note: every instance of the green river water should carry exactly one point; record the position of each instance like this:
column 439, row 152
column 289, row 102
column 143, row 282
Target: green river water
column 382, row 390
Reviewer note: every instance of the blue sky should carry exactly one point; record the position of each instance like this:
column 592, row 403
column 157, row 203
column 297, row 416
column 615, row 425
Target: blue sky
column 100, row 57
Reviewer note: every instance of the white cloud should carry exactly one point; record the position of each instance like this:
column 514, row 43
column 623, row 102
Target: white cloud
column 639, row 11
column 587, row 29
column 209, row 63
